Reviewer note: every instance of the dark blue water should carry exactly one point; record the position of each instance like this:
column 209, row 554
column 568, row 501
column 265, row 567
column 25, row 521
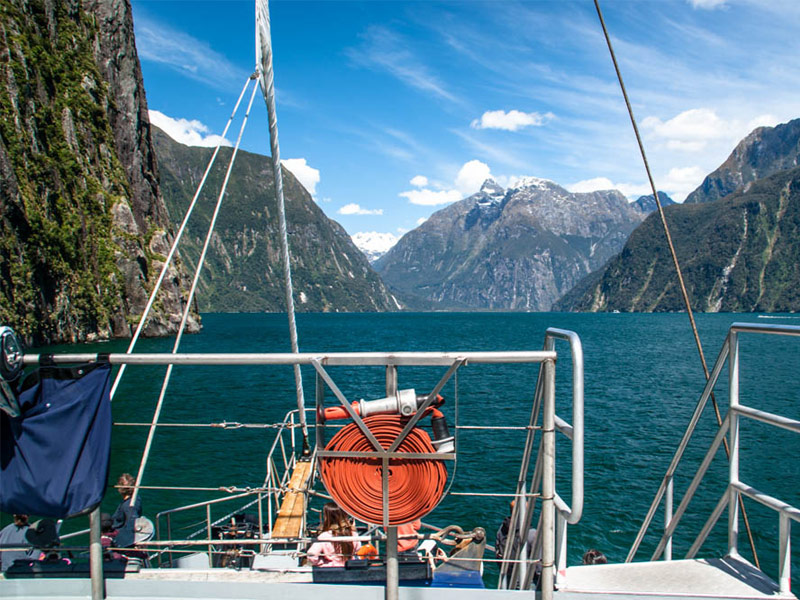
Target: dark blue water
column 643, row 379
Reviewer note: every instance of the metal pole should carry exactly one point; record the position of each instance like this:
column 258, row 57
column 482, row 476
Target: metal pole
column 96, row 556
column 785, row 555
column 208, row 528
column 548, row 481
column 733, row 386
column 668, row 519
column 392, row 566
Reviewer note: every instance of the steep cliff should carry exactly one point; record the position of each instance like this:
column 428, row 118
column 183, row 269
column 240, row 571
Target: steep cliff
column 765, row 151
column 517, row 249
column 83, row 226
column 244, row 271
column 737, row 254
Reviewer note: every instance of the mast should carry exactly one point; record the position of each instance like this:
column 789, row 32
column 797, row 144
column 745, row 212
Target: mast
column 267, row 82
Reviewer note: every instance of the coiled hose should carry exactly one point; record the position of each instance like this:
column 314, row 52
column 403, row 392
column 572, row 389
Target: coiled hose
column 415, row 486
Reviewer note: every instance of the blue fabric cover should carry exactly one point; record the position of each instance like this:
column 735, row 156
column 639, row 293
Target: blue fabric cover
column 54, row 457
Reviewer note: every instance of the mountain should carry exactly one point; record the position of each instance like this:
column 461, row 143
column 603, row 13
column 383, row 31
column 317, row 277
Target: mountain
column 519, row 248
column 244, row 270
column 647, row 204
column 737, row 254
column 765, row 151
column 374, row 244
column 83, row 226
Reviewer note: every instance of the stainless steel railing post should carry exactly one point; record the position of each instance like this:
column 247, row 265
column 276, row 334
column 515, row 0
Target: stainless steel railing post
column 733, row 386
column 785, row 555
column 96, row 556
column 548, row 482
column 668, row 518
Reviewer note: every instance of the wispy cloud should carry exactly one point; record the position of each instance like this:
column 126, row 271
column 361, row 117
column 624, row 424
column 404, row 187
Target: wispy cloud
column 187, row 131
column 179, row 51
column 385, row 50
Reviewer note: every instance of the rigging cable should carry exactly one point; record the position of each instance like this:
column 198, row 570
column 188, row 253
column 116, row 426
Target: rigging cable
column 356, row 483
column 176, row 241
column 192, row 291
column 684, row 293
column 266, row 78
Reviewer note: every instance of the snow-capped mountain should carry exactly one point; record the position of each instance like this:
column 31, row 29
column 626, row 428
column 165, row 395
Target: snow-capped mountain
column 516, row 248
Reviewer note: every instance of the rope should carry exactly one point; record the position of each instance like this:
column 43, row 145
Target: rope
column 198, row 270
column 174, row 248
column 674, row 255
column 267, row 81
column 356, row 484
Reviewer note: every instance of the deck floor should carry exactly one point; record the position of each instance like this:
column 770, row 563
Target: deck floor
column 718, row 577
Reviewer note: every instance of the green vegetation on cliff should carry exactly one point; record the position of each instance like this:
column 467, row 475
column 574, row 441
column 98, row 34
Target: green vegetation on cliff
column 739, row 253
column 244, row 269
column 60, row 175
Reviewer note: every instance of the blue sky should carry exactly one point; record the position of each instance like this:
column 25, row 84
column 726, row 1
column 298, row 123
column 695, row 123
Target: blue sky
column 387, row 111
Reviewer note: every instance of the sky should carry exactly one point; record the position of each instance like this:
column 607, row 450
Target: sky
column 389, row 111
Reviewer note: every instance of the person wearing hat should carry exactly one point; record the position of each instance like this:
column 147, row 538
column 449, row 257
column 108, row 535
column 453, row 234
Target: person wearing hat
column 14, row 535
column 43, row 536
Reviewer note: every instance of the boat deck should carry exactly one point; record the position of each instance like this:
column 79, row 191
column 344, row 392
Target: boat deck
column 699, row 578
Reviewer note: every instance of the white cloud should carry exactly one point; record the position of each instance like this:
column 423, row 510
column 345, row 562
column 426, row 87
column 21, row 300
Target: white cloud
column 691, row 130
column 426, row 197
column 762, row 121
column 421, row 220
column 355, row 209
column 469, row 179
column 681, row 181
column 471, row 176
column 308, row 176
column 189, row 132
column 512, row 120
column 419, row 181
column 707, row 4
column 630, row 190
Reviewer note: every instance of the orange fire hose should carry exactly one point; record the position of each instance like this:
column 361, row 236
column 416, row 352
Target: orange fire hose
column 415, row 486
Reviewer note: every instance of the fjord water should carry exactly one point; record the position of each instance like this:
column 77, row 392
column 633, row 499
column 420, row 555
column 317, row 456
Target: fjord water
column 643, row 379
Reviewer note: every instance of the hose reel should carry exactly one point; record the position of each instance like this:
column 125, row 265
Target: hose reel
column 415, row 485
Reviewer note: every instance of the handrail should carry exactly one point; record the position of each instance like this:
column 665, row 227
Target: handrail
column 667, row 480
column 735, row 487
column 302, row 358
column 576, row 430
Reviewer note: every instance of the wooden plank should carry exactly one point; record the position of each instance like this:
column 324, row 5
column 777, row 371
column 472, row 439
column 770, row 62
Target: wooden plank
column 290, row 516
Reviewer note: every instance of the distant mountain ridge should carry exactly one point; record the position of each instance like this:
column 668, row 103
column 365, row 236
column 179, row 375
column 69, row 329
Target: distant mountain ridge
column 739, row 253
column 647, row 204
column 766, row 150
column 517, row 249
column 244, row 271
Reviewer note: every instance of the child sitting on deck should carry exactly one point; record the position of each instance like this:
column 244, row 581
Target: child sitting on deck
column 335, row 523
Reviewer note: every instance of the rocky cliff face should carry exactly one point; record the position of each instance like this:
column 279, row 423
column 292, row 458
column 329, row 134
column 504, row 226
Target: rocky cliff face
column 737, row 254
column 518, row 249
column 765, row 151
column 244, row 270
column 83, row 225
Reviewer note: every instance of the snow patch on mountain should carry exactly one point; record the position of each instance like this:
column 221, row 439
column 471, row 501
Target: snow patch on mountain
column 374, row 244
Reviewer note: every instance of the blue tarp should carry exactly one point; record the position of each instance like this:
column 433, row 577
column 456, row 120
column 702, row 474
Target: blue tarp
column 54, row 457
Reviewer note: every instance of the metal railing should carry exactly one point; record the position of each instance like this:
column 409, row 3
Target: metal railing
column 276, row 481
column 730, row 497
column 522, row 563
